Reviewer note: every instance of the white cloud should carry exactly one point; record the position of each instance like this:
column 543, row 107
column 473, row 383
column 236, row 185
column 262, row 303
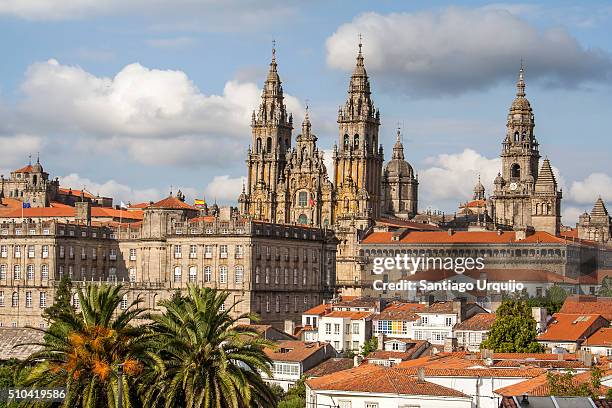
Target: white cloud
column 15, row 149
column 158, row 116
column 587, row 190
column 569, row 215
column 224, row 189
column 453, row 176
column 200, row 15
column 110, row 188
column 328, row 160
column 455, row 50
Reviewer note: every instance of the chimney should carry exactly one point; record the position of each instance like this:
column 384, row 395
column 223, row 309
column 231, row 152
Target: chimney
column 289, row 327
column 381, row 341
column 450, row 232
column 450, row 344
column 357, row 360
column 459, row 308
column 421, row 374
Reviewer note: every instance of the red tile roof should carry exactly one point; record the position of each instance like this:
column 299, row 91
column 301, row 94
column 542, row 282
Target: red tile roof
column 397, row 222
column 602, row 337
column 377, row 379
column 400, row 311
column 478, row 322
column 65, row 211
column 76, row 193
column 318, row 310
column 477, row 203
column 538, row 386
column 173, row 203
column 570, row 327
column 26, row 169
column 588, row 304
column 330, row 366
column 294, row 350
column 349, row 315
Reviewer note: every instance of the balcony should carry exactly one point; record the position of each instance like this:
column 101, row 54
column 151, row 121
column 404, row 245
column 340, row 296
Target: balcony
column 193, row 255
column 208, row 255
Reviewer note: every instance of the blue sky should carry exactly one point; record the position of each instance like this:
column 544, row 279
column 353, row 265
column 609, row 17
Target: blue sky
column 130, row 97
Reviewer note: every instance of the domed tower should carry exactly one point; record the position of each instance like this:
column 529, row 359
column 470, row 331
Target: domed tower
column 479, row 190
column 520, row 157
column 400, row 186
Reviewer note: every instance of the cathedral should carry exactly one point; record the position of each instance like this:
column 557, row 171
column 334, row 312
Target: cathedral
column 288, row 184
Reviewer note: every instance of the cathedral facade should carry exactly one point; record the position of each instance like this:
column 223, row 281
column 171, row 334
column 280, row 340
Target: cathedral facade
column 288, row 184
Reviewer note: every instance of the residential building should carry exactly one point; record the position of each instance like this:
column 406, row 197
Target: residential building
column 397, row 320
column 346, row 330
column 330, row 366
column 599, row 343
column 471, row 332
column 588, row 305
column 570, row 331
column 392, row 351
column 292, row 358
column 374, row 386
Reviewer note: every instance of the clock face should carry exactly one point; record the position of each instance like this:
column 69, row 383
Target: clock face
column 513, row 186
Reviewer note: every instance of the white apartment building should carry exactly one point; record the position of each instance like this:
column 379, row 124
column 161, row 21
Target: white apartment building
column 346, row 330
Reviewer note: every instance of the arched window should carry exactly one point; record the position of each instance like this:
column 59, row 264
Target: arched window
column 15, row 300
column 356, row 141
column 238, row 274
column 223, row 274
column 524, row 136
column 177, row 273
column 124, row 302
column 538, row 208
column 257, row 274
column 268, row 145
column 303, row 219
column 304, row 152
column 346, row 141
column 258, row 145
column 207, row 274
column 516, row 136
column 515, row 171
column 303, row 198
column 193, row 273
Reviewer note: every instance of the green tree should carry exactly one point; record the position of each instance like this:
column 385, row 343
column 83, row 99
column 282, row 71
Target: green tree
column 606, row 287
column 83, row 348
column 369, row 346
column 514, row 329
column 563, row 384
column 296, row 396
column 61, row 300
column 205, row 359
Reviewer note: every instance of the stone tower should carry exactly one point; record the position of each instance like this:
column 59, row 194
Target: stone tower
column 400, row 186
column 305, row 192
column 546, row 202
column 596, row 226
column 514, row 186
column 271, row 140
column 479, row 191
column 357, row 157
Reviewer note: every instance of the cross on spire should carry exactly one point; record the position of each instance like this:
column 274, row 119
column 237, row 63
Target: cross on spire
column 360, row 42
column 273, row 49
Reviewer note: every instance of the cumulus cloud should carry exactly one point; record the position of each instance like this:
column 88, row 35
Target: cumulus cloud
column 224, row 189
column 14, row 150
column 201, row 15
column 586, row 191
column 569, row 215
column 455, row 50
column 453, row 176
column 159, row 116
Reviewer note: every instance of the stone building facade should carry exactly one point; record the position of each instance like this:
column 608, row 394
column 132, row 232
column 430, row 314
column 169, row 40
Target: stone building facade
column 596, row 226
column 400, row 185
column 276, row 271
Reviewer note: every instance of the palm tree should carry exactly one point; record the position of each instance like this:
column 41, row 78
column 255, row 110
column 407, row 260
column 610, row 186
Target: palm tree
column 206, row 359
column 83, row 348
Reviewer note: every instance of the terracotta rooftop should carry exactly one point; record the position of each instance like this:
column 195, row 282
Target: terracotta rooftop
column 538, row 386
column 588, row 304
column 602, row 337
column 329, row 366
column 400, row 311
column 569, row 327
column 366, row 301
column 65, row 211
column 478, row 322
column 377, row 379
column 318, row 310
column 26, row 169
column 349, row 314
column 412, row 346
column 396, row 222
column 294, row 350
column 76, row 193
column 172, row 203
column 11, row 337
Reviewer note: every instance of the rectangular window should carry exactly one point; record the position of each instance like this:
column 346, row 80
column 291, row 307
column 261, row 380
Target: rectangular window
column 28, row 299
column 30, row 272
column 336, row 328
column 3, row 251
column 239, row 274
column 239, row 251
column 223, row 274
column 302, row 198
column 193, row 273
column 207, row 274
column 327, row 328
column 1, row 298
column 193, row 251
column 355, row 328
column 132, row 254
column 223, row 251
column 132, row 274
column 71, row 252
column 17, row 272
column 208, row 251
column 178, row 251
column 45, row 251
column 43, row 300
column 112, row 254
column 449, row 321
column 31, row 252
column 124, row 302
column 17, row 251
column 3, row 272
column 83, row 253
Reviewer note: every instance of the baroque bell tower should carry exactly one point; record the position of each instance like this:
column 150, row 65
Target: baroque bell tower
column 271, row 140
column 358, row 158
column 515, row 184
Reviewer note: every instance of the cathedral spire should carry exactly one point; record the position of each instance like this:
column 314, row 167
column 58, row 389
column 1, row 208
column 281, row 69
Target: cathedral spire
column 306, row 126
column 520, row 85
column 398, row 147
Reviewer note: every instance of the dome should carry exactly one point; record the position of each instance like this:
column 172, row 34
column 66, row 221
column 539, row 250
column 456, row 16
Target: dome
column 399, row 168
column 498, row 179
column 479, row 188
column 520, row 103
